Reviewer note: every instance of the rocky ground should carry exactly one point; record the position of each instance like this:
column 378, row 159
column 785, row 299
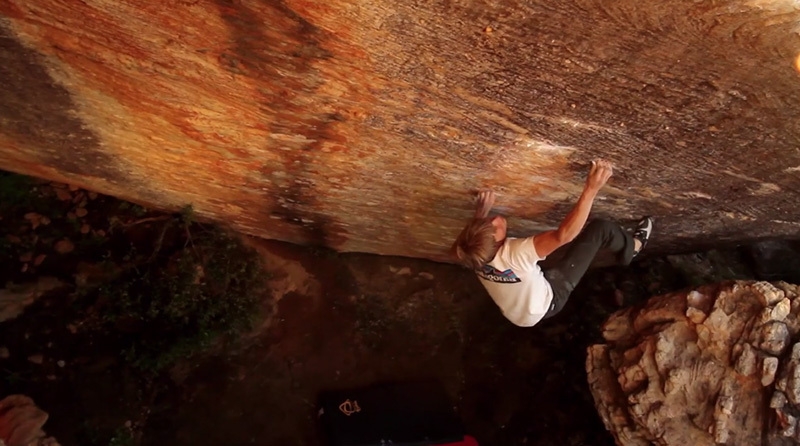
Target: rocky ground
column 323, row 321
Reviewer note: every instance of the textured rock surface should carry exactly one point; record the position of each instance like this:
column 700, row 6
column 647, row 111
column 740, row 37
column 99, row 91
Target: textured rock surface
column 717, row 365
column 363, row 125
column 21, row 423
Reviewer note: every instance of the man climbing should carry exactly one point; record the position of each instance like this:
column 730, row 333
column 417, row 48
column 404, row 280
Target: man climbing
column 508, row 267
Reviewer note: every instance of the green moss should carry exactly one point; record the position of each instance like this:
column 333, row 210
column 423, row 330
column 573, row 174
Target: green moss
column 138, row 211
column 187, row 214
column 182, row 301
column 122, row 437
column 15, row 190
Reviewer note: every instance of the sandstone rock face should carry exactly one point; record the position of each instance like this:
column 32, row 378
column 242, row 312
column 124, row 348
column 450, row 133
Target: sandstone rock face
column 717, row 365
column 21, row 423
column 364, row 124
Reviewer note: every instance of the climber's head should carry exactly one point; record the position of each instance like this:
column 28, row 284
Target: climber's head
column 479, row 240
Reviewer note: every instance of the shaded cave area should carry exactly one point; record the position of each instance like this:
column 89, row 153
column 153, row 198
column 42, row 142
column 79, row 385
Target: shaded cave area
column 133, row 327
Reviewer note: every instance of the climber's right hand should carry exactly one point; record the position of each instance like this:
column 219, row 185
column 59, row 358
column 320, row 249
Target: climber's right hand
column 599, row 174
column 484, row 203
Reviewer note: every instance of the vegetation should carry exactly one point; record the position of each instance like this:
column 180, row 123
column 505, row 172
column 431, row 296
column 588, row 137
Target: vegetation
column 169, row 286
column 144, row 291
column 122, row 437
column 14, row 189
column 182, row 300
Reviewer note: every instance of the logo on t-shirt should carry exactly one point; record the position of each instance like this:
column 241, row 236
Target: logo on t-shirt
column 493, row 274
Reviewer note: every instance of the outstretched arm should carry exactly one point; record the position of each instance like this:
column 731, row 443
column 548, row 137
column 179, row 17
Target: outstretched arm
column 547, row 242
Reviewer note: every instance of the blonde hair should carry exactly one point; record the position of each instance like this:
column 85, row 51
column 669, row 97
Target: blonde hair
column 475, row 245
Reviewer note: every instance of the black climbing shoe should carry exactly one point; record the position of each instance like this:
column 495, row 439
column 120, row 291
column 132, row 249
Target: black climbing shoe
column 642, row 233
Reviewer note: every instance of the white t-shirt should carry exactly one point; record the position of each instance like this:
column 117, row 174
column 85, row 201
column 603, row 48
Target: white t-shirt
column 516, row 283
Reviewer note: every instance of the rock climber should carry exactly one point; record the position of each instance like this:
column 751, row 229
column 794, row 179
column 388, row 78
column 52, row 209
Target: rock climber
column 508, row 267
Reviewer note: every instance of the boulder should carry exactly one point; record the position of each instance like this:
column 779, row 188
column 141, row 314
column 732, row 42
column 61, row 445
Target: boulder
column 698, row 367
column 364, row 125
column 21, row 423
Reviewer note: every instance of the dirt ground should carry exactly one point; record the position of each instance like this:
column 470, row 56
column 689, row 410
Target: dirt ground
column 336, row 321
column 344, row 321
column 352, row 320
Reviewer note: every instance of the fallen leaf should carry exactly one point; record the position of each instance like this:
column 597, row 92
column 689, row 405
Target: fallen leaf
column 34, row 218
column 36, row 359
column 92, row 195
column 404, row 271
column 39, row 259
column 63, row 195
column 27, row 257
column 64, row 246
column 85, row 228
column 81, row 212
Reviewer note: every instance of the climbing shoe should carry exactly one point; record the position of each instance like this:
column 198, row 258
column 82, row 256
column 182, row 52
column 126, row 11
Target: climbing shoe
column 642, row 233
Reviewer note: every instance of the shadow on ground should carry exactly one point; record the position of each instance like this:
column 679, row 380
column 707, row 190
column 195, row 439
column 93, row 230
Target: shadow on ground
column 352, row 320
